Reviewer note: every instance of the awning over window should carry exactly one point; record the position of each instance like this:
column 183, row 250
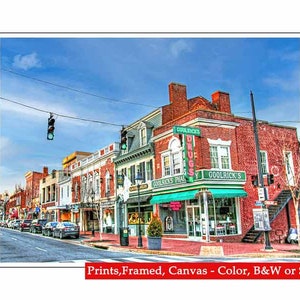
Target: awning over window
column 180, row 196
column 228, row 193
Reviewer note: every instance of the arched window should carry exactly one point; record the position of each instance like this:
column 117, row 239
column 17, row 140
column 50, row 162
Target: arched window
column 172, row 159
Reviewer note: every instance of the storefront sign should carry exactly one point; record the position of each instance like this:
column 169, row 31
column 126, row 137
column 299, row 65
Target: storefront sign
column 187, row 130
column 142, row 187
column 176, row 205
column 222, row 175
column 189, row 167
column 202, row 175
column 168, row 181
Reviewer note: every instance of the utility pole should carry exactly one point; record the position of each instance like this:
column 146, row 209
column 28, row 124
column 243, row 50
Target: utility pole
column 260, row 172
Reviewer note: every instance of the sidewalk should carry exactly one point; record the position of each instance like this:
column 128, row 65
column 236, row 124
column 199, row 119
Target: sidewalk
column 172, row 246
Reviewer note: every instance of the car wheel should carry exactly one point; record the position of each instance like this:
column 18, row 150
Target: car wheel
column 60, row 235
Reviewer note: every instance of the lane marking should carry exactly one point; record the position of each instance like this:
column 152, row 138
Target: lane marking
column 41, row 249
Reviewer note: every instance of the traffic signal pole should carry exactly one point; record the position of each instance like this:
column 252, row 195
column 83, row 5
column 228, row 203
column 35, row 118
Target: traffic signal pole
column 260, row 172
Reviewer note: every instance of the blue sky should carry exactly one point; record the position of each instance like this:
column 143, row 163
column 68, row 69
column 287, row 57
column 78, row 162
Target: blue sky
column 117, row 80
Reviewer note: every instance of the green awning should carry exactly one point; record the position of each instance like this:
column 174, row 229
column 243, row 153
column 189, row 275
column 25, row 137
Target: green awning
column 228, row 193
column 180, row 196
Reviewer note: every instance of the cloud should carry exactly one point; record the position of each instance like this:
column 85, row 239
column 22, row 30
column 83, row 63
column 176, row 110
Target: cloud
column 286, row 83
column 26, row 62
column 179, row 47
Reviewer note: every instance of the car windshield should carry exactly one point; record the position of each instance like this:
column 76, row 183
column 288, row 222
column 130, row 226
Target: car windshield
column 68, row 224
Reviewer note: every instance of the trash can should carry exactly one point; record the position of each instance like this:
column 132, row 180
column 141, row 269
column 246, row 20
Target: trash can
column 124, row 236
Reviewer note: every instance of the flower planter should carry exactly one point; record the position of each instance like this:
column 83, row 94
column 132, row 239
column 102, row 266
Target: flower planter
column 154, row 243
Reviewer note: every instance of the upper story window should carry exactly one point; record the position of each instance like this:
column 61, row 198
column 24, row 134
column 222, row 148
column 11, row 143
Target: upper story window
column 220, row 154
column 107, row 182
column 172, row 159
column 143, row 136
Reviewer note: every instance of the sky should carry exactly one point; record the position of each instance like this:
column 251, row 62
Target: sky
column 94, row 85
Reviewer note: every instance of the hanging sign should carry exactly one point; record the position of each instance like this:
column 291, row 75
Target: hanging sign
column 261, row 219
column 176, row 205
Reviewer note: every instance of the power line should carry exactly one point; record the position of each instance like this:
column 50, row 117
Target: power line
column 60, row 115
column 77, row 90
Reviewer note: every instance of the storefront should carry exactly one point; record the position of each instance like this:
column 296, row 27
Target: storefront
column 190, row 209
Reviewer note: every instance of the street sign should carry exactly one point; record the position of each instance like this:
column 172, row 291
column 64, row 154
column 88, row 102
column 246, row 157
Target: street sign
column 270, row 202
column 261, row 194
column 258, row 203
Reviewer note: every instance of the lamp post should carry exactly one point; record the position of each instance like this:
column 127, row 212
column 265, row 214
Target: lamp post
column 139, row 180
column 260, row 172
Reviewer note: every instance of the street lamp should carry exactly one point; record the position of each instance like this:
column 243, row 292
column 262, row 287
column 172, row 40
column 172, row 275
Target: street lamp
column 139, row 180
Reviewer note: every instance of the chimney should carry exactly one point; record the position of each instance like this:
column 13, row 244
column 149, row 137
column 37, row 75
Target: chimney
column 178, row 99
column 222, row 101
column 45, row 171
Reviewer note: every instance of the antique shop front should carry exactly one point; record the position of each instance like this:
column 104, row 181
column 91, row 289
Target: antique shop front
column 211, row 201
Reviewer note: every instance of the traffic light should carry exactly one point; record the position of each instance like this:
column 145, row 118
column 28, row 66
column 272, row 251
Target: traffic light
column 123, row 139
column 254, row 180
column 270, row 178
column 50, row 130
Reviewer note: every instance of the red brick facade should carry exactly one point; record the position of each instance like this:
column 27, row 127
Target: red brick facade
column 216, row 122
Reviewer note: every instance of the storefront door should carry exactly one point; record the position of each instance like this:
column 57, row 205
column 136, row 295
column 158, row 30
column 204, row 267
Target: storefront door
column 193, row 221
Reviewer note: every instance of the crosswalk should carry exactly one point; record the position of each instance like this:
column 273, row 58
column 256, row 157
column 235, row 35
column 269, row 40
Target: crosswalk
column 152, row 258
column 174, row 259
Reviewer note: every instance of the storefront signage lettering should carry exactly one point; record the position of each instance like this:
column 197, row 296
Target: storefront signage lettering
column 168, row 181
column 187, row 130
column 201, row 176
column 189, row 169
column 142, row 187
column 224, row 175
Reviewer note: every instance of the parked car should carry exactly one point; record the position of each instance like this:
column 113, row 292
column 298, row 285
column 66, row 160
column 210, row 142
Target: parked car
column 10, row 223
column 25, row 225
column 37, row 225
column 16, row 224
column 66, row 229
column 48, row 228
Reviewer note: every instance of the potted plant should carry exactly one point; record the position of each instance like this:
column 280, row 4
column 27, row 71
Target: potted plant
column 154, row 233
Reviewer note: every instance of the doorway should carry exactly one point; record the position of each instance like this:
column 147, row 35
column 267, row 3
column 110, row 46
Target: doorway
column 194, row 221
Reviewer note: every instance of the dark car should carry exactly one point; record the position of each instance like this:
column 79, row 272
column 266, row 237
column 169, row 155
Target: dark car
column 25, row 225
column 66, row 229
column 37, row 225
column 48, row 228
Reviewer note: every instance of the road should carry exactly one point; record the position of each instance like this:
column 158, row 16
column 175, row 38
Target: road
column 25, row 247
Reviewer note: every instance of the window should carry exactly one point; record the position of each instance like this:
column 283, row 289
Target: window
column 172, row 159
column 107, row 182
column 143, row 136
column 264, row 162
column 149, row 170
column 220, row 154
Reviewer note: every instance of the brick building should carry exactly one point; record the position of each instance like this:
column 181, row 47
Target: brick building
column 205, row 160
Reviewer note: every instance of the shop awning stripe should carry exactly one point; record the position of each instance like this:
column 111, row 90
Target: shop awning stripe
column 179, row 196
column 228, row 193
